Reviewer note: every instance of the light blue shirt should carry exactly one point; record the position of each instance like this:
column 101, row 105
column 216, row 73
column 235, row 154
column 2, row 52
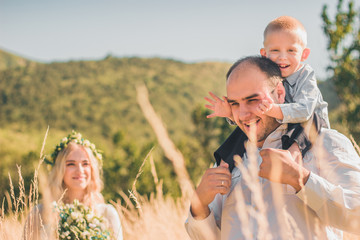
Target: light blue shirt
column 306, row 96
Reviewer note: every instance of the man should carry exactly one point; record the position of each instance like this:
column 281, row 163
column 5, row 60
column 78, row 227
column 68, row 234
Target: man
column 314, row 198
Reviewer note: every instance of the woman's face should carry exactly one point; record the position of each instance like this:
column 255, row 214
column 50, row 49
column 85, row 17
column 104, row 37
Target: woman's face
column 77, row 170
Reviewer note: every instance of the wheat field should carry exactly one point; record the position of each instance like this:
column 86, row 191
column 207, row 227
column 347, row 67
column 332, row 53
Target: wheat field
column 155, row 217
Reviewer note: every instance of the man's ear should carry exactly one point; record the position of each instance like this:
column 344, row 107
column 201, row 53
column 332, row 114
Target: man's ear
column 305, row 54
column 280, row 92
column 263, row 52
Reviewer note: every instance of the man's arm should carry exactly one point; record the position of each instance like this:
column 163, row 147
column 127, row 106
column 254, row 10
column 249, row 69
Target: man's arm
column 201, row 222
column 334, row 193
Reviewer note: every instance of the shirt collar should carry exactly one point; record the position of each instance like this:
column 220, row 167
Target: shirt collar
column 292, row 79
column 274, row 138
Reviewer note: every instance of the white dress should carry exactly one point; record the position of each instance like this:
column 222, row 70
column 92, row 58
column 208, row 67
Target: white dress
column 111, row 215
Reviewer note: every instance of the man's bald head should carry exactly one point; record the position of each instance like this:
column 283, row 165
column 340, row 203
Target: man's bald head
column 265, row 65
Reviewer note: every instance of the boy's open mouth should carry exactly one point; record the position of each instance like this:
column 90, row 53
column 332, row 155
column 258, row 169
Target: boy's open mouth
column 283, row 66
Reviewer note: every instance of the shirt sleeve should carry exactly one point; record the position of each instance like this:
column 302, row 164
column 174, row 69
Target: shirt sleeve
column 208, row 228
column 334, row 193
column 306, row 96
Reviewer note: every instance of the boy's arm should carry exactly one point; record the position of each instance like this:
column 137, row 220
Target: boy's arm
column 221, row 107
column 306, row 96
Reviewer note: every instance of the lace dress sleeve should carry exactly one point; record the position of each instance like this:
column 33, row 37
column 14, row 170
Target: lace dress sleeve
column 110, row 213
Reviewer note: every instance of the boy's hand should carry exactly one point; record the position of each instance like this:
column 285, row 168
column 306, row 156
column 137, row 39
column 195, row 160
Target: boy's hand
column 269, row 108
column 220, row 107
column 266, row 105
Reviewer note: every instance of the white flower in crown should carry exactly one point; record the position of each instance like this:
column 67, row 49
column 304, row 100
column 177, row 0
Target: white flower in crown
column 78, row 136
column 86, row 143
column 64, row 140
column 92, row 146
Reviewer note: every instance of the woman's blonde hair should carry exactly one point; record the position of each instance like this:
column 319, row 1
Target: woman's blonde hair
column 56, row 178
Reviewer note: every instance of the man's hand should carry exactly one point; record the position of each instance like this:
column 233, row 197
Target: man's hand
column 279, row 166
column 296, row 153
column 220, row 107
column 214, row 181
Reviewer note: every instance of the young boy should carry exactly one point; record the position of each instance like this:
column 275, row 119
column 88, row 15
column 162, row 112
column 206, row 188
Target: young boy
column 285, row 42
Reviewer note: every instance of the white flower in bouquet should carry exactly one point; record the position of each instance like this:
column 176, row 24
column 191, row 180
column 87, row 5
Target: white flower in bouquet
column 78, row 221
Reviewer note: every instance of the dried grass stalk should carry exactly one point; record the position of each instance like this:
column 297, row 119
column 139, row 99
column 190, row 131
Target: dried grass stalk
column 171, row 152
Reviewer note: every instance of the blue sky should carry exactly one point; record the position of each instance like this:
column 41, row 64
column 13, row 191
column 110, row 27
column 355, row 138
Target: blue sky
column 191, row 31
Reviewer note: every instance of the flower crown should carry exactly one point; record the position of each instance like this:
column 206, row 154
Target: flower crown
column 74, row 137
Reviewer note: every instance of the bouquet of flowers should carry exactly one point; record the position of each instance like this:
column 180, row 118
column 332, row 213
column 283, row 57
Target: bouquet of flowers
column 78, row 221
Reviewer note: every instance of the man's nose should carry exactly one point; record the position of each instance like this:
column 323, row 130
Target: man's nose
column 242, row 112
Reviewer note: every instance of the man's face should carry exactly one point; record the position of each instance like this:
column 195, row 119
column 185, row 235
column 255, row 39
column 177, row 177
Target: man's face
column 246, row 87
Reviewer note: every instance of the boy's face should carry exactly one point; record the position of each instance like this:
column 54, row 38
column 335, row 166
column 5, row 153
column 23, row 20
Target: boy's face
column 285, row 49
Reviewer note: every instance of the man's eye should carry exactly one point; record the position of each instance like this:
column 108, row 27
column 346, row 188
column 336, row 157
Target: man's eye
column 252, row 101
column 86, row 163
column 234, row 104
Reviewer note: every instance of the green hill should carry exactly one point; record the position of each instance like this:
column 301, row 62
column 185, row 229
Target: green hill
column 100, row 95
column 8, row 60
column 98, row 98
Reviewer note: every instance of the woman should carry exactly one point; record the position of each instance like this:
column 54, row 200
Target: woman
column 75, row 175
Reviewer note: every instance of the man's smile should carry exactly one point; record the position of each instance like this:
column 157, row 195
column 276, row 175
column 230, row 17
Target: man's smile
column 251, row 123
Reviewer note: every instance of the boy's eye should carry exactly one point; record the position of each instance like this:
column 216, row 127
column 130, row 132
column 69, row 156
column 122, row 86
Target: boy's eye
column 70, row 164
column 86, row 163
column 234, row 104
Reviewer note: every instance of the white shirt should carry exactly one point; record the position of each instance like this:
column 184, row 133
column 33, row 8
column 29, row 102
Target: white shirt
column 329, row 201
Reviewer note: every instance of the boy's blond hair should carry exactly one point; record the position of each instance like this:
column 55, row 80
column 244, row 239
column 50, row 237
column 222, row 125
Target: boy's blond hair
column 289, row 24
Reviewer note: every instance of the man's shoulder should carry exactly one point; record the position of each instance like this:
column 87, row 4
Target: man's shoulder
column 332, row 139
